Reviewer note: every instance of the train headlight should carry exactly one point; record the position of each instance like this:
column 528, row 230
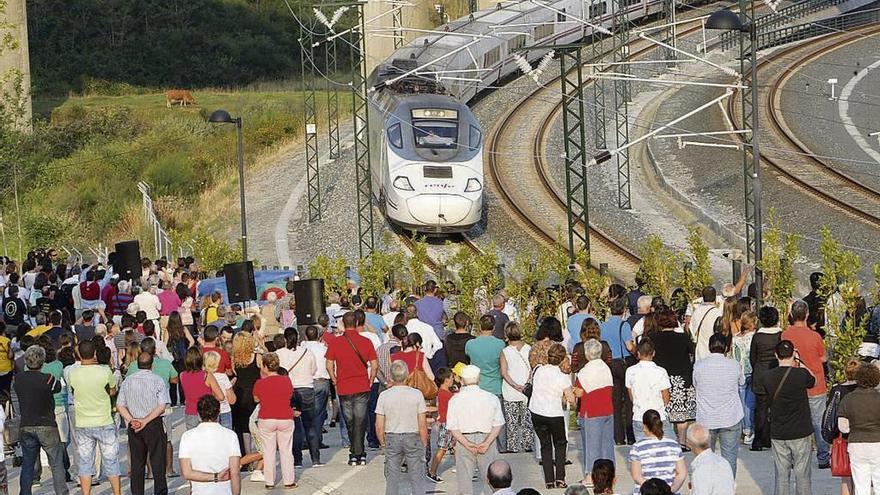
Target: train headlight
column 473, row 185
column 402, row 183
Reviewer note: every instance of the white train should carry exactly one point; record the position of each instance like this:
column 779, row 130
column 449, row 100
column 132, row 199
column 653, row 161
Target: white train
column 426, row 146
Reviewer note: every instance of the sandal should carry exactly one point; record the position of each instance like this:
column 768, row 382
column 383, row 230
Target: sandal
column 291, row 486
column 550, row 486
column 561, row 484
column 684, row 448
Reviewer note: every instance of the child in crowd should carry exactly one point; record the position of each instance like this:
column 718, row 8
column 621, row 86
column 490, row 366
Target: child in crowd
column 445, row 440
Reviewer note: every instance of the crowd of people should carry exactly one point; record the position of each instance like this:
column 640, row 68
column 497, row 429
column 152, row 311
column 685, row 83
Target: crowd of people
column 85, row 354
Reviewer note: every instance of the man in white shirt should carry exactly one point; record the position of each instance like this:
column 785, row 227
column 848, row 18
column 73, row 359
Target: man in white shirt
column 648, row 386
column 710, row 473
column 321, row 381
column 430, row 342
column 475, row 419
column 210, row 458
column 703, row 322
column 148, row 302
column 393, row 311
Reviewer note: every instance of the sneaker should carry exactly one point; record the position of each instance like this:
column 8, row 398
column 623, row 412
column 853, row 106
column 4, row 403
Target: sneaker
column 433, row 478
column 257, row 476
column 318, row 464
column 749, row 438
column 824, row 465
column 352, row 460
column 362, row 461
column 298, row 464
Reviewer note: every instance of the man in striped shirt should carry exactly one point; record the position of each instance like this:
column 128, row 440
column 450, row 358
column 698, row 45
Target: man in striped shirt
column 142, row 401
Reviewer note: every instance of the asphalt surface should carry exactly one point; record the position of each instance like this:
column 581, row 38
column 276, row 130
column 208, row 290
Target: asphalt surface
column 754, row 475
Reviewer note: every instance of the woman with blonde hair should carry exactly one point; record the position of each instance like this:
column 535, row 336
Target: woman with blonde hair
column 247, row 360
column 210, row 363
column 742, row 346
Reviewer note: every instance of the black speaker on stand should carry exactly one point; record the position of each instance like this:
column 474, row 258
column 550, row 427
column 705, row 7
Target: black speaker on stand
column 240, row 284
column 309, row 297
column 127, row 260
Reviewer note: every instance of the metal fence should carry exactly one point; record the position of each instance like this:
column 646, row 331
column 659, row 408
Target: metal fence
column 162, row 244
column 782, row 16
column 808, row 30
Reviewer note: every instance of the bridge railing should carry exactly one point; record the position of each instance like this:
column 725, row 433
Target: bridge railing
column 782, row 16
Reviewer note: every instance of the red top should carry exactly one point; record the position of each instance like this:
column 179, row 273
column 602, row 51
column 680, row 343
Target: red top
column 274, row 393
column 90, row 291
column 194, row 388
column 443, row 397
column 596, row 403
column 225, row 362
column 412, row 359
column 352, row 376
column 811, row 350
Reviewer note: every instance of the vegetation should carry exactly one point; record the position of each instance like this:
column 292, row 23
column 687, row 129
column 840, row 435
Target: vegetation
column 780, row 252
column 115, row 47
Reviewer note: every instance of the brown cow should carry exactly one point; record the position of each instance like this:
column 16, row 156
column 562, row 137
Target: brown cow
column 180, row 96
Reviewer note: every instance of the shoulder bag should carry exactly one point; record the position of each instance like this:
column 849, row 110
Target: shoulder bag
column 12, row 430
column 829, row 419
column 840, row 465
column 628, row 358
column 528, row 388
column 778, row 388
column 420, row 381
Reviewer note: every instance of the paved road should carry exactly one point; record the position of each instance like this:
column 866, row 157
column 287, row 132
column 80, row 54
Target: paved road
column 755, row 474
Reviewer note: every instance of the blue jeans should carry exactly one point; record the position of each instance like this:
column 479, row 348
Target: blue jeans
column 729, row 440
column 597, row 440
column 322, row 395
column 668, row 431
column 372, row 439
column 817, row 410
column 32, row 438
column 304, row 432
column 87, row 440
column 747, row 397
column 226, row 420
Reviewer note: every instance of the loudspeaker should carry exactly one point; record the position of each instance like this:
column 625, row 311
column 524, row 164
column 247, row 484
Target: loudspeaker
column 309, row 297
column 127, row 261
column 240, row 285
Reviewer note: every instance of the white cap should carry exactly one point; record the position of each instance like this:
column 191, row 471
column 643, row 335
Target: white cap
column 470, row 373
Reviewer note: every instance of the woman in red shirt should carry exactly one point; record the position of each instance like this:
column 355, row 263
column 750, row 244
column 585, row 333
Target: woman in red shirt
column 412, row 354
column 273, row 393
column 196, row 383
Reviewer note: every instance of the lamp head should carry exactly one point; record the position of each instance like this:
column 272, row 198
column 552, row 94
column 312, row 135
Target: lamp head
column 725, row 20
column 221, row 117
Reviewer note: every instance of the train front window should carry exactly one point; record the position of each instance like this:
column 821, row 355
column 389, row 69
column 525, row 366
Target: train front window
column 435, row 134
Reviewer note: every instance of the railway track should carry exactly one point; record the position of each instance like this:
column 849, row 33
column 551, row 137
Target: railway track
column 541, row 209
column 808, row 172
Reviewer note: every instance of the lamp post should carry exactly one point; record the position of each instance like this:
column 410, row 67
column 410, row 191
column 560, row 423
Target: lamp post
column 729, row 21
column 223, row 117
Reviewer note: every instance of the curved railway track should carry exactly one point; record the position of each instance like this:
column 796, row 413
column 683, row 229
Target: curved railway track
column 807, row 171
column 541, row 209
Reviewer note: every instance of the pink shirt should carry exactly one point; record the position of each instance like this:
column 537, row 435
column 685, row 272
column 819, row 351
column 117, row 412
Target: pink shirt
column 170, row 302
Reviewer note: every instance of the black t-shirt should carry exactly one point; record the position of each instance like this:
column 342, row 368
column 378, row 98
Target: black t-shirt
column 454, row 347
column 14, row 311
column 36, row 404
column 790, row 412
column 84, row 332
column 44, row 304
column 673, row 353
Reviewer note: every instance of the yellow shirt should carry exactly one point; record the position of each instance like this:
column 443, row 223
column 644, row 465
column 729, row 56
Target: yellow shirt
column 211, row 314
column 5, row 361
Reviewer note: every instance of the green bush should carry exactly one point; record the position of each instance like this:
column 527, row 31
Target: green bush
column 171, row 174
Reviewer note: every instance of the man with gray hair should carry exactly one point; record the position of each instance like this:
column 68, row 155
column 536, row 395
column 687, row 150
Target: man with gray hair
column 475, row 420
column 402, row 429
column 637, row 321
column 500, row 316
column 38, row 427
column 710, row 473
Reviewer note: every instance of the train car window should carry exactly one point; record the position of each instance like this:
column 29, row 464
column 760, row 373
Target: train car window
column 560, row 16
column 598, row 9
column 630, row 3
column 474, row 137
column 434, row 134
column 543, row 31
column 492, row 57
column 395, row 137
column 516, row 42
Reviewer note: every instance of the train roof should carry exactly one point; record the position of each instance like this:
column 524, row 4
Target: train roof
column 430, row 47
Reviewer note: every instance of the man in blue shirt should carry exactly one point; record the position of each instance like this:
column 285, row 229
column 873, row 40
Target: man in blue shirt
column 582, row 303
column 430, row 308
column 618, row 334
column 374, row 319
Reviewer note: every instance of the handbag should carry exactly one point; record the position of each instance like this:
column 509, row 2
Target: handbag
column 829, row 418
column 12, row 426
column 419, row 380
column 528, row 388
column 840, row 457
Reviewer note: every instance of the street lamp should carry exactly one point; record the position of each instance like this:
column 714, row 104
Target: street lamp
column 223, row 117
column 728, row 21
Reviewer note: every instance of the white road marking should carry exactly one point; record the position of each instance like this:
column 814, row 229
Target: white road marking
column 843, row 110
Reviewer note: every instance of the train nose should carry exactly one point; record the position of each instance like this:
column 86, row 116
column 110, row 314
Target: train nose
column 439, row 209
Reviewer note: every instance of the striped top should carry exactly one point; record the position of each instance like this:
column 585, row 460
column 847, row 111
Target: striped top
column 142, row 392
column 657, row 458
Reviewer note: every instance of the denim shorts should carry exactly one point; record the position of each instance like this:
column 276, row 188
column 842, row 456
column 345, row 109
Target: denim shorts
column 86, row 441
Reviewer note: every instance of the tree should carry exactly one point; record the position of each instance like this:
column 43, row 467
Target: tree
column 840, row 288
column 781, row 249
column 659, row 267
column 332, row 270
